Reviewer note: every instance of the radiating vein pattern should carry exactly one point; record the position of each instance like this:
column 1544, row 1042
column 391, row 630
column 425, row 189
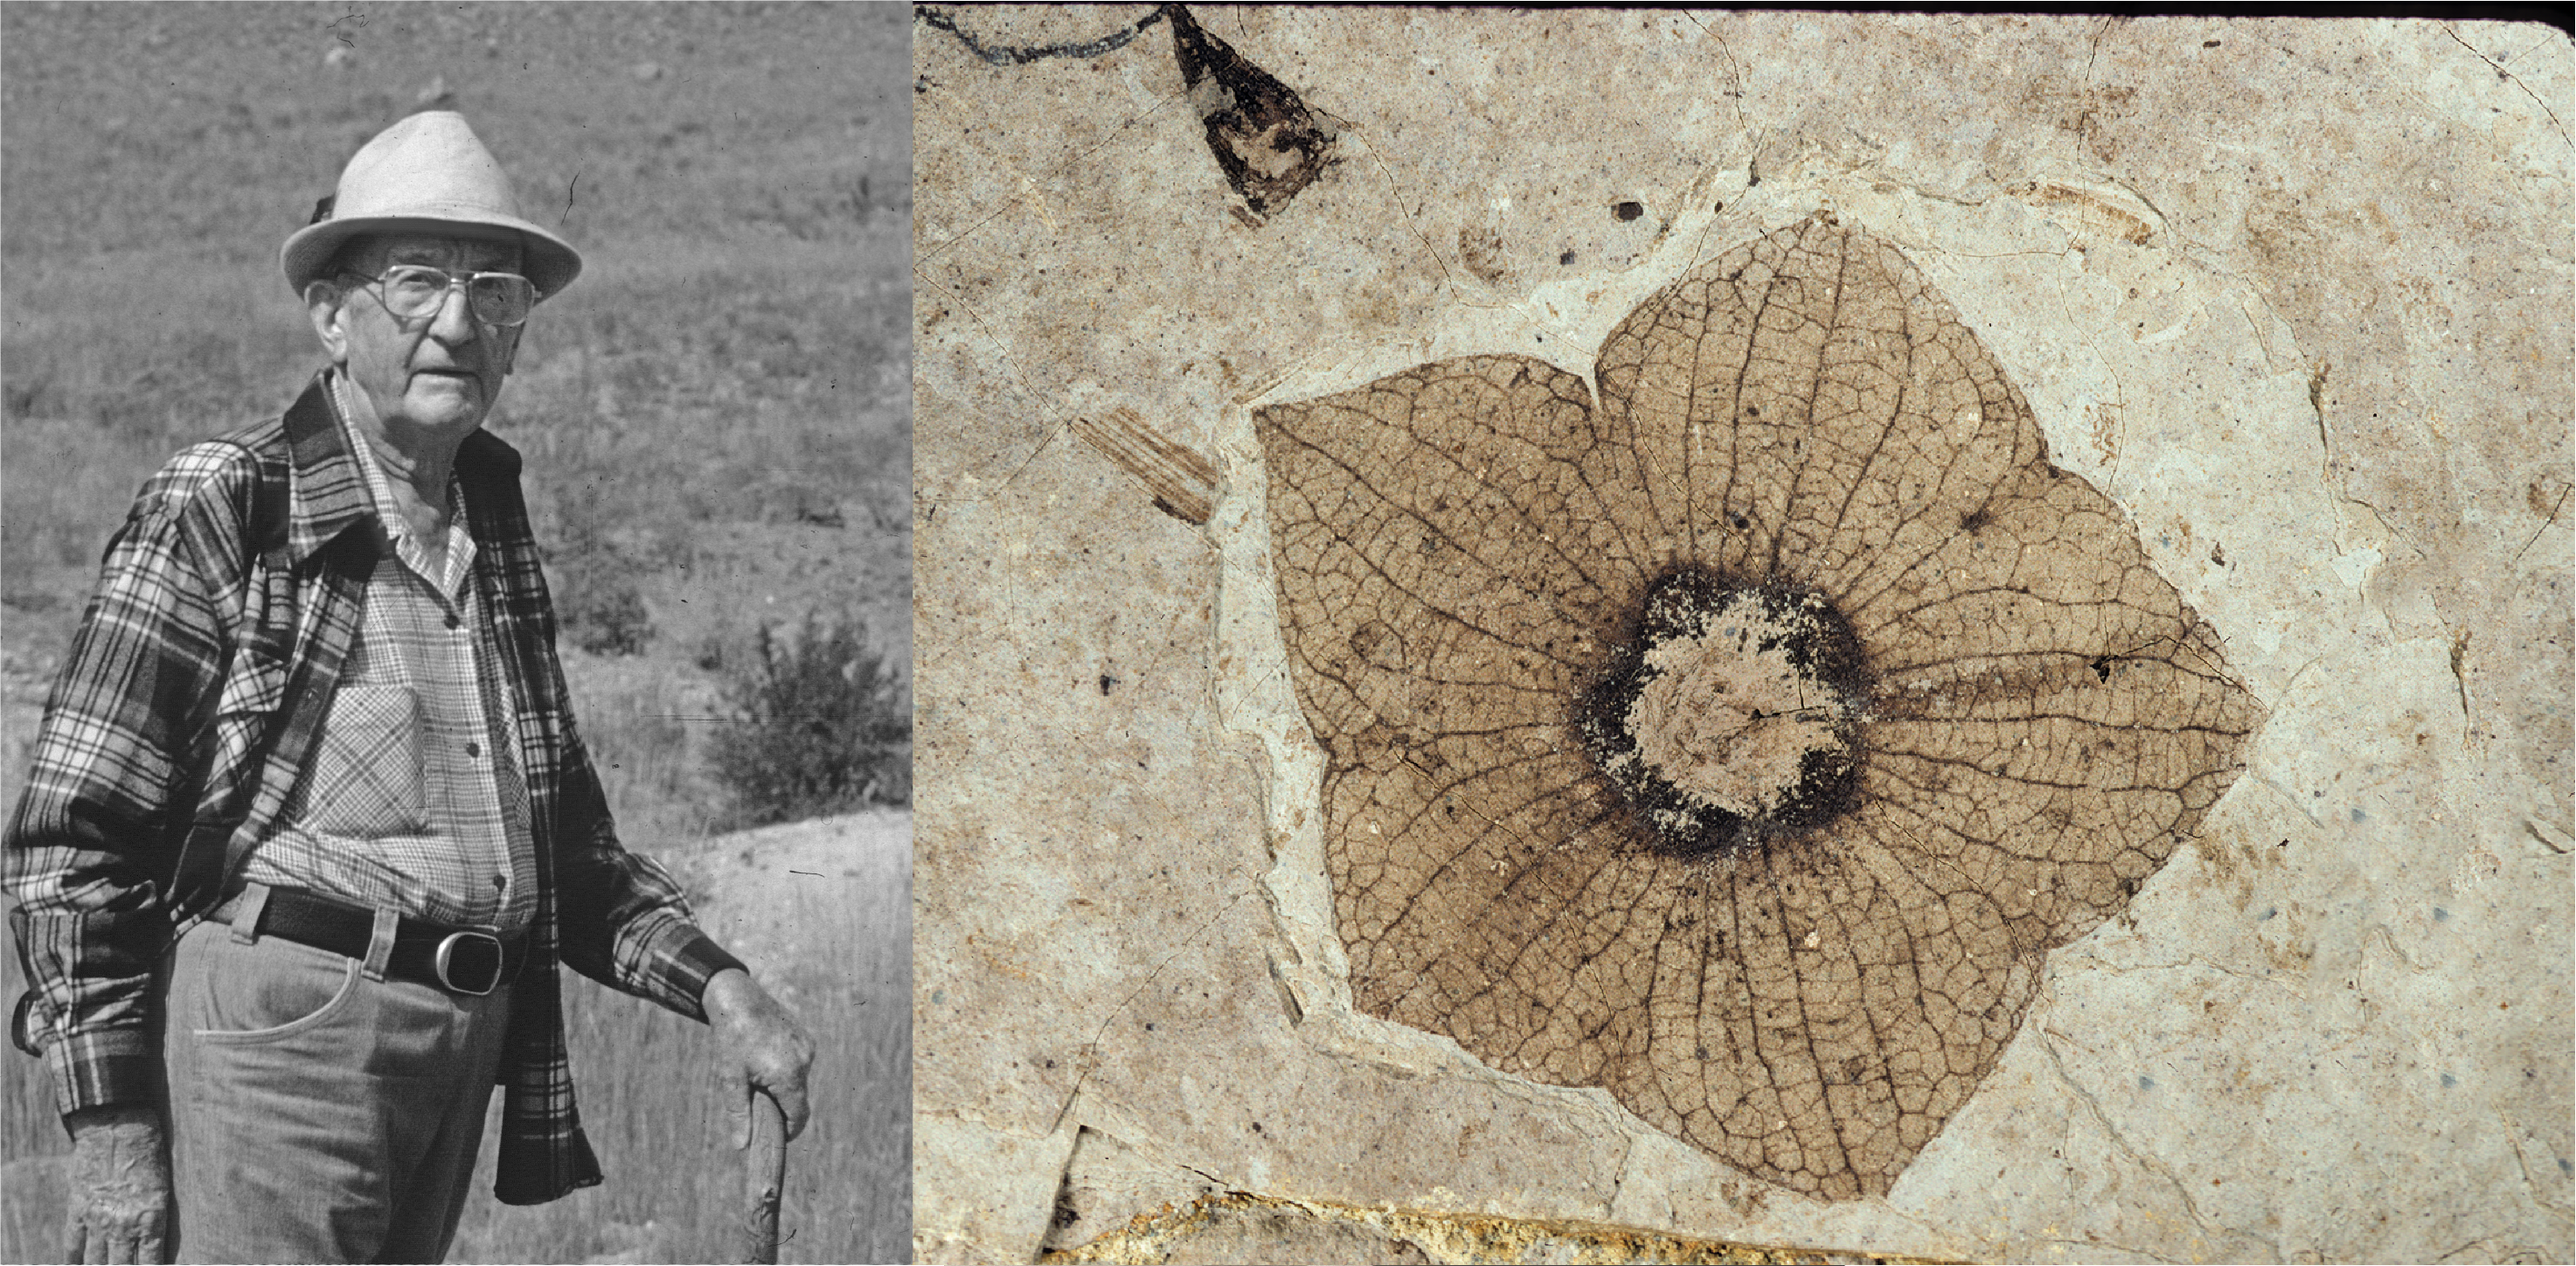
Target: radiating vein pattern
column 1466, row 553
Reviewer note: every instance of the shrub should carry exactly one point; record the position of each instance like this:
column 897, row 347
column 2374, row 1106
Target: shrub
column 596, row 572
column 820, row 725
column 599, row 606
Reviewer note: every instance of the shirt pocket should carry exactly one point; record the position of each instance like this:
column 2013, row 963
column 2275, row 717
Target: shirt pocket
column 367, row 775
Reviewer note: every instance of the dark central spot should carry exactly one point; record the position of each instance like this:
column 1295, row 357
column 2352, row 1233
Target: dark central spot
column 1731, row 713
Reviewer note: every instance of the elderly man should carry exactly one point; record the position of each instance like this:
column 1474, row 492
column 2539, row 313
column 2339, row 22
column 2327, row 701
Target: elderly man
column 309, row 826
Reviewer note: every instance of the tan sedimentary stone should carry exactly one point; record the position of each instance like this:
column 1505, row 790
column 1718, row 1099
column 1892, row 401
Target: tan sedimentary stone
column 2293, row 296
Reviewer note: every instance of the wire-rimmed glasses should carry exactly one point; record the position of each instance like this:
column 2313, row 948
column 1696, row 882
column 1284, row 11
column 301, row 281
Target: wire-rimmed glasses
column 413, row 291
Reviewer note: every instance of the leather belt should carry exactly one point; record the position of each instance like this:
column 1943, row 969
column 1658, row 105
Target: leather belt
column 470, row 961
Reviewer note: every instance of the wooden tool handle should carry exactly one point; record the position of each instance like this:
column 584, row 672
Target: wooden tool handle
column 764, row 1179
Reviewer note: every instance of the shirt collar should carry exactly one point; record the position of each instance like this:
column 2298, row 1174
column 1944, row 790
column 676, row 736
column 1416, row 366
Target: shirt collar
column 456, row 552
column 330, row 490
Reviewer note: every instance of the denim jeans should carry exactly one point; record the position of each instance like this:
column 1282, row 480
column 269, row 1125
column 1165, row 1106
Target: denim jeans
column 319, row 1111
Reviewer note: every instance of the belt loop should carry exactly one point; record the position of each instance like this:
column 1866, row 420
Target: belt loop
column 247, row 908
column 380, row 946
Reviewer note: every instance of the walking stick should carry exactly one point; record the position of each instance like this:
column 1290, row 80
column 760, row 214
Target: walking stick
column 765, row 1180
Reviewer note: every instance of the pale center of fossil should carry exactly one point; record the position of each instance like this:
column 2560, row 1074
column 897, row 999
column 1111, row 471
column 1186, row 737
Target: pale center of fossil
column 1725, row 716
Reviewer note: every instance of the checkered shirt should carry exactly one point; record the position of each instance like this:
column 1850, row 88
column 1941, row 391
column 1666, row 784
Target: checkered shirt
column 185, row 721
column 413, row 801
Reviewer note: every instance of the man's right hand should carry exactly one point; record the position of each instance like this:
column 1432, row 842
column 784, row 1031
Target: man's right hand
column 120, row 1188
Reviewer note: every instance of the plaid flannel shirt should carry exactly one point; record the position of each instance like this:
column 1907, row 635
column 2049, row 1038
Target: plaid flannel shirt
column 184, row 716
column 398, row 808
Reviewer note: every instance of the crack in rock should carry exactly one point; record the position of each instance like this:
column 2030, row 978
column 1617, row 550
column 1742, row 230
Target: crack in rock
column 1804, row 981
column 996, row 54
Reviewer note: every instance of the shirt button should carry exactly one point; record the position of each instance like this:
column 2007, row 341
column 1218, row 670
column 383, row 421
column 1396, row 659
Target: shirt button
column 500, row 881
column 473, row 748
column 455, row 621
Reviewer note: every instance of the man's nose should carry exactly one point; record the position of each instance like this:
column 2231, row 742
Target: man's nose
column 454, row 323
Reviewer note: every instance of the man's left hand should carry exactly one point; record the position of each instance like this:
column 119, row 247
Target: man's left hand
column 759, row 1047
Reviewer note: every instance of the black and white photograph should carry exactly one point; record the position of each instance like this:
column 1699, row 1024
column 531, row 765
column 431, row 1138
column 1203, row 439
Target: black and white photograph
column 457, row 658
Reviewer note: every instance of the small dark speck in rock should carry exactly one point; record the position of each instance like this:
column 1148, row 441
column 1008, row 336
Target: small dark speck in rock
column 2564, row 1167
column 2358, row 815
column 1256, row 1127
column 2441, row 915
column 1149, row 1026
column 1628, row 210
column 2269, row 914
column 1106, row 681
column 1566, row 258
column 2209, row 43
column 2146, row 1082
column 815, row 873
column 1716, row 207
column 2449, row 1081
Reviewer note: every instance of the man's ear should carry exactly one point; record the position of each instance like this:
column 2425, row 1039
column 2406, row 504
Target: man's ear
column 324, row 301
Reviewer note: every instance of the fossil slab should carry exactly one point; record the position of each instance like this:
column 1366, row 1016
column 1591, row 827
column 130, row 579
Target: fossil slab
column 1741, row 741
column 2329, row 390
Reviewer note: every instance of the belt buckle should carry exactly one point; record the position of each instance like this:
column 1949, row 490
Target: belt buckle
column 446, row 960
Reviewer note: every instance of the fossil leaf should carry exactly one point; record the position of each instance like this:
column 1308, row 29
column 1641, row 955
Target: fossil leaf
column 1483, row 573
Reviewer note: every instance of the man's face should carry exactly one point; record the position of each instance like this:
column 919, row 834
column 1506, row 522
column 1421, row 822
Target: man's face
column 441, row 370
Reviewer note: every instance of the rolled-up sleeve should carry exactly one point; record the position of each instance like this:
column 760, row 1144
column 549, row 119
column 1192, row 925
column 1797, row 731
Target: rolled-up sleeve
column 117, row 765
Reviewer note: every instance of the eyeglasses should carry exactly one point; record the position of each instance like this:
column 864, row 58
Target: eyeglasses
column 413, row 291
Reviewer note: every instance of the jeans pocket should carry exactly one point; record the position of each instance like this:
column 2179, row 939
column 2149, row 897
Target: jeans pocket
column 269, row 990
column 366, row 781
